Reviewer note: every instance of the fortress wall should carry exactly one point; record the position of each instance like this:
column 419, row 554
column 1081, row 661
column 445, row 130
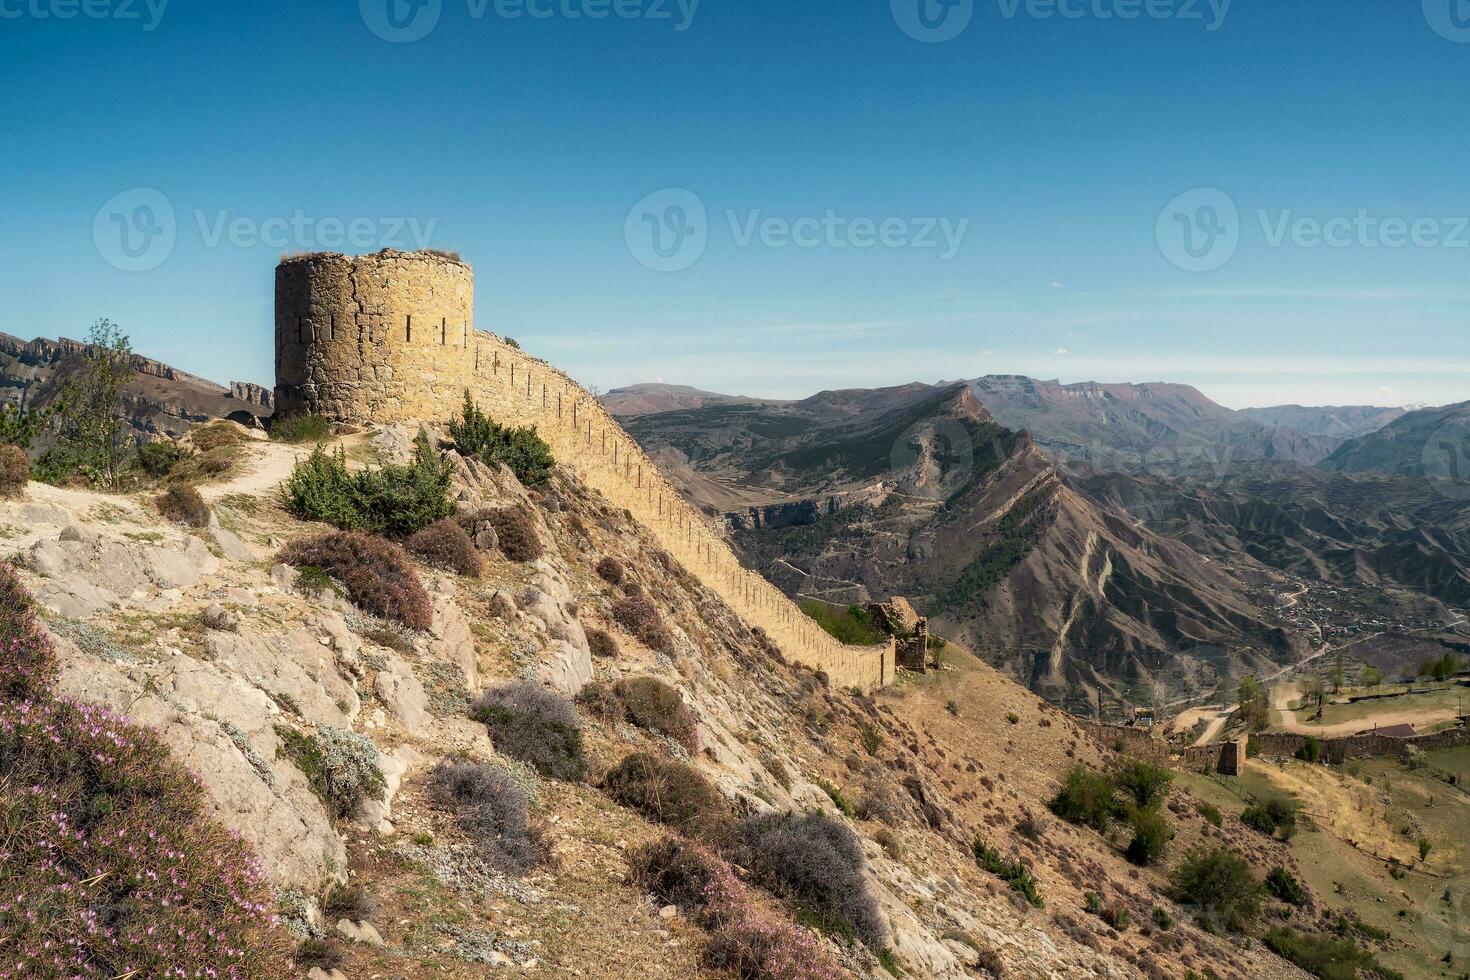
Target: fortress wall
column 373, row 338
column 388, row 337
column 517, row 389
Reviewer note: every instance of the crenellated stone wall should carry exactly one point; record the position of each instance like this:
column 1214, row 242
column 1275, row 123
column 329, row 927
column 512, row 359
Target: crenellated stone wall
column 350, row 346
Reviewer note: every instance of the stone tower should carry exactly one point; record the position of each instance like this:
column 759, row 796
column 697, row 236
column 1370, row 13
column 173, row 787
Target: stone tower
column 374, row 338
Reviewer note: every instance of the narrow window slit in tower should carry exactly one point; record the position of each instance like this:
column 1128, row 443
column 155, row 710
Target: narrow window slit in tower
column 332, row 328
column 443, row 331
column 408, row 329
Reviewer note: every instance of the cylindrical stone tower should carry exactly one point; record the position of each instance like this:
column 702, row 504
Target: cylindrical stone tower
column 374, row 338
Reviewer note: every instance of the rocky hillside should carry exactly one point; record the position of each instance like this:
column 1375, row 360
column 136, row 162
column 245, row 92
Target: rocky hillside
column 1160, row 428
column 942, row 504
column 160, row 400
column 282, row 696
column 1431, row 442
column 1334, row 422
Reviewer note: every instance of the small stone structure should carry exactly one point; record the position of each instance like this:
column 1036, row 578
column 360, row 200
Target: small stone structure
column 1232, row 757
column 389, row 337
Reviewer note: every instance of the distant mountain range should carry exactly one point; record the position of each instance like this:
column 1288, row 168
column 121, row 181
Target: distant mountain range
column 1067, row 532
column 1431, row 442
column 1153, row 427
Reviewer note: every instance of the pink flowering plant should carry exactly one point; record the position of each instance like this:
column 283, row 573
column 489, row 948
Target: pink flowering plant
column 109, row 865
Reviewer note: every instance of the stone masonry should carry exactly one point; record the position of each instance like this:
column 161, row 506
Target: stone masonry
column 389, row 337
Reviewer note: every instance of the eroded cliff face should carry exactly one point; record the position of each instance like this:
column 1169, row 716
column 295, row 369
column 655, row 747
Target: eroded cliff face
column 205, row 637
column 159, row 401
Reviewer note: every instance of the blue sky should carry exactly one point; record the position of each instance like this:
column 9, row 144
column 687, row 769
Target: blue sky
column 1066, row 157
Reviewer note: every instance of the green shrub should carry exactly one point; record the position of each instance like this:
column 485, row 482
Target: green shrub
column 526, row 453
column 183, row 505
column 301, row 428
column 841, row 802
column 1324, row 957
column 536, row 726
column 671, row 793
column 15, row 471
column 1284, row 886
column 1151, row 835
column 393, row 500
column 158, row 459
column 1275, row 816
column 1209, row 811
column 340, row 766
column 377, row 574
column 1162, row 918
column 1086, row 798
column 852, row 625
column 1146, row 785
column 445, row 545
column 817, row 862
column 1012, row 872
column 1311, row 750
column 1220, row 886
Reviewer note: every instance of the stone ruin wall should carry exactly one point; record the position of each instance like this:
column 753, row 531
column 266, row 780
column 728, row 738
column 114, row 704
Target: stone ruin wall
column 346, row 349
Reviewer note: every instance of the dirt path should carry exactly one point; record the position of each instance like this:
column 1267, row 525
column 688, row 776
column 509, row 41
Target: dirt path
column 1282, row 694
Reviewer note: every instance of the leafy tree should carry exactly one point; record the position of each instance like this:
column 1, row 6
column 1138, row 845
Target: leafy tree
column 18, row 426
column 1254, row 706
column 1372, row 676
column 1151, row 834
column 1146, row 784
column 526, row 453
column 1315, row 692
column 1335, row 676
column 91, row 433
